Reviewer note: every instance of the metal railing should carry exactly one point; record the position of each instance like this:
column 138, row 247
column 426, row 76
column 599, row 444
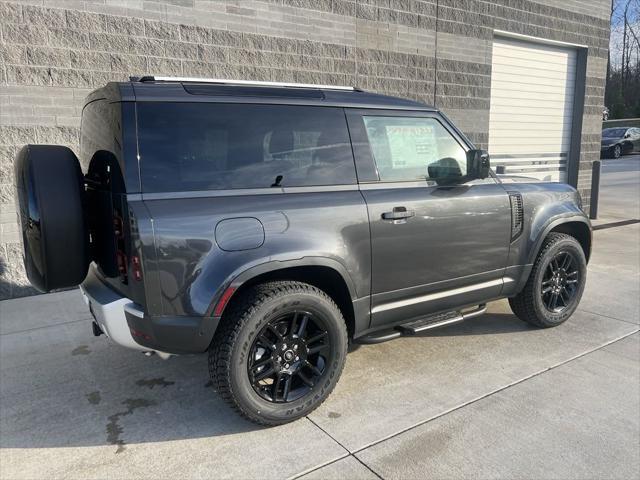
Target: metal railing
column 222, row 81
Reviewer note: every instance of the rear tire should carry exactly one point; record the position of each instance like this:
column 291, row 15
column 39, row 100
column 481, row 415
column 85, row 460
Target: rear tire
column 556, row 283
column 53, row 220
column 266, row 364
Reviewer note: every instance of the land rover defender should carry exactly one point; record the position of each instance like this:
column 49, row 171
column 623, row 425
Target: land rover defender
column 271, row 225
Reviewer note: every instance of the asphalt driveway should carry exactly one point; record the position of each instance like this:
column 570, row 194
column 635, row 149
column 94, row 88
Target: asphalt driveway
column 620, row 189
column 489, row 398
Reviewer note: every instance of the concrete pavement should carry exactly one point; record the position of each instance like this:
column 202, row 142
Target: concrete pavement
column 489, row 398
column 579, row 420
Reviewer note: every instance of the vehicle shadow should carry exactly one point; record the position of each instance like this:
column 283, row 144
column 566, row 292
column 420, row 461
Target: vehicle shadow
column 487, row 324
column 90, row 392
column 5, row 285
column 8, row 287
column 61, row 387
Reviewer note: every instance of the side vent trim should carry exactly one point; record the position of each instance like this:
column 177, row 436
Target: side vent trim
column 517, row 214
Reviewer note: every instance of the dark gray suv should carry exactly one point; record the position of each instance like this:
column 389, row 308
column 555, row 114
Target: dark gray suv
column 271, row 225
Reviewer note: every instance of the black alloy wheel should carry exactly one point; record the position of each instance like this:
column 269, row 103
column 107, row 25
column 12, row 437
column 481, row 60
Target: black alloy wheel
column 560, row 282
column 289, row 357
column 555, row 285
column 279, row 351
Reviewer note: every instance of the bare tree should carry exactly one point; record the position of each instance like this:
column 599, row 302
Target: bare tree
column 622, row 94
column 631, row 28
column 613, row 7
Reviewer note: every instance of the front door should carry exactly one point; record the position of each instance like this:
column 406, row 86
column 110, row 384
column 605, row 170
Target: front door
column 440, row 240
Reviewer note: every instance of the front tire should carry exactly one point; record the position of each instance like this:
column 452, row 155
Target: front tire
column 556, row 283
column 617, row 151
column 278, row 352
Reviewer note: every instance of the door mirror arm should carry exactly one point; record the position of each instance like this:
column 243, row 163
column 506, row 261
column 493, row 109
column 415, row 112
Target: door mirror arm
column 478, row 164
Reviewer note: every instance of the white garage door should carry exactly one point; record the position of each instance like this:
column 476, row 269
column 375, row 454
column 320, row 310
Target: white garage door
column 532, row 87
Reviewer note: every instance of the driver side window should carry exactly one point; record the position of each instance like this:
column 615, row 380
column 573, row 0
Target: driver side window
column 414, row 148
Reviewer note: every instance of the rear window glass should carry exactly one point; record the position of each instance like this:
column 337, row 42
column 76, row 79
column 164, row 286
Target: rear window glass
column 210, row 146
column 614, row 132
column 100, row 131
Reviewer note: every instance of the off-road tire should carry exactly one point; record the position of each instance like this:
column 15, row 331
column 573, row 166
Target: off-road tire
column 528, row 304
column 241, row 323
column 53, row 216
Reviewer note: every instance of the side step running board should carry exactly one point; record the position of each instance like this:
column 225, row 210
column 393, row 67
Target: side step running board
column 428, row 323
column 422, row 324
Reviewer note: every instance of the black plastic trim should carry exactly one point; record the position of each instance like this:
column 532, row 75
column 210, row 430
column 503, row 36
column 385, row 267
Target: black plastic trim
column 179, row 335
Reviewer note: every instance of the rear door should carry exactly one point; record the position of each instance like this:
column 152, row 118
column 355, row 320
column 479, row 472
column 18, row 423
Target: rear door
column 434, row 247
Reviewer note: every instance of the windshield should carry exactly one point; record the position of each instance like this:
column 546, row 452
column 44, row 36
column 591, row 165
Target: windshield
column 613, row 132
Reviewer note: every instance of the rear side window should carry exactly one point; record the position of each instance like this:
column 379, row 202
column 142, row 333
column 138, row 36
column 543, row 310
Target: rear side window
column 100, row 131
column 210, row 146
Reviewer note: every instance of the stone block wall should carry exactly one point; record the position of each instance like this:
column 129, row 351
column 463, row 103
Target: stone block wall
column 53, row 52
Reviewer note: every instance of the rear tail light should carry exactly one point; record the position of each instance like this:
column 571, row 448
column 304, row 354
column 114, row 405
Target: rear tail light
column 122, row 263
column 137, row 268
column 118, row 229
column 128, row 262
column 121, row 256
column 139, row 334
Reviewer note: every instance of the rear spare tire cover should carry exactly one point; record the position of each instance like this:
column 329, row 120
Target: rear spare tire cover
column 53, row 220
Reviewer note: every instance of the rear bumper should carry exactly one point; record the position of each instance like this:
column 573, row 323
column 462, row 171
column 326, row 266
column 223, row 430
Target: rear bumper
column 126, row 323
column 108, row 309
column 175, row 335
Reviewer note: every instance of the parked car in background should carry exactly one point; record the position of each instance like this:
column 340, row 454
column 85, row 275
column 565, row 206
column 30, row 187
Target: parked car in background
column 618, row 141
column 270, row 225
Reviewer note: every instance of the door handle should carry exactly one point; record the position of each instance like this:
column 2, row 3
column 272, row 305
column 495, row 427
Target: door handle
column 398, row 213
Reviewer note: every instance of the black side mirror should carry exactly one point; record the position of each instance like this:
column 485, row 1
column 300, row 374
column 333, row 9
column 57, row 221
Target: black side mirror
column 478, row 164
column 627, row 135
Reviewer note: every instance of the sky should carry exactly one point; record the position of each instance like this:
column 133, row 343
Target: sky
column 615, row 42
